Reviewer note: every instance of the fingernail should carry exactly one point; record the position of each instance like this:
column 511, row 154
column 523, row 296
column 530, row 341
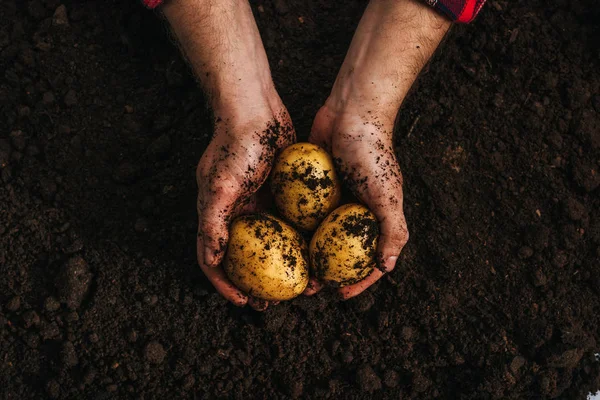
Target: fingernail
column 209, row 257
column 390, row 263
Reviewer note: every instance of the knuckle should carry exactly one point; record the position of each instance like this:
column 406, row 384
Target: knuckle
column 404, row 238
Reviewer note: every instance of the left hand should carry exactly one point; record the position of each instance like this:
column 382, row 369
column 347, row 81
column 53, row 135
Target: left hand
column 362, row 149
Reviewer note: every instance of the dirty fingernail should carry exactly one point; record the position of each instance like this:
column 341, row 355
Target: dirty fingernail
column 390, row 263
column 209, row 257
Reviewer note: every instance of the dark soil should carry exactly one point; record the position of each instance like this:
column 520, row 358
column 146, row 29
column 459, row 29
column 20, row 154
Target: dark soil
column 497, row 294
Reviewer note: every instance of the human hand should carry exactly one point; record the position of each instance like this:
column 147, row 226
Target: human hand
column 362, row 150
column 392, row 43
column 232, row 169
column 222, row 44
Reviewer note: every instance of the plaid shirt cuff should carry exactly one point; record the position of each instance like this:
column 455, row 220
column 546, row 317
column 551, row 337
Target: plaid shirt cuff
column 457, row 10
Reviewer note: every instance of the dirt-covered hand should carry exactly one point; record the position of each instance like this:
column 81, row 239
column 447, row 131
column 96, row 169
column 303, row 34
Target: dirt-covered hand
column 362, row 149
column 234, row 166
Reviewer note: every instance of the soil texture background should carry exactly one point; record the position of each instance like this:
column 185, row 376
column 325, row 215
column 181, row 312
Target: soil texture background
column 497, row 294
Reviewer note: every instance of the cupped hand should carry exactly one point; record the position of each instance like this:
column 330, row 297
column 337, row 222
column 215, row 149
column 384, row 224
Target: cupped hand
column 362, row 149
column 232, row 169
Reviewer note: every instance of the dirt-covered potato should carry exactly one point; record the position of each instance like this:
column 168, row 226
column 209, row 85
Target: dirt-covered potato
column 342, row 250
column 305, row 185
column 266, row 258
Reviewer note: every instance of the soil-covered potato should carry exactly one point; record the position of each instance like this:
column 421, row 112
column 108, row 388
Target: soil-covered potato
column 342, row 250
column 305, row 185
column 266, row 258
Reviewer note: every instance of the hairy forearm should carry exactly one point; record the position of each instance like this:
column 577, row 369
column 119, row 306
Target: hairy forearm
column 222, row 43
column 394, row 40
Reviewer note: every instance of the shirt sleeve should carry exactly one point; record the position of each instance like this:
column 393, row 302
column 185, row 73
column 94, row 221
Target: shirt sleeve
column 458, row 10
column 152, row 3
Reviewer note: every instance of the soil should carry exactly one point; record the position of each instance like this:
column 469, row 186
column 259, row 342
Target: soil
column 497, row 294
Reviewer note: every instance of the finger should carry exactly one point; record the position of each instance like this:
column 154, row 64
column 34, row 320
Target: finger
column 313, row 287
column 213, row 228
column 355, row 289
column 258, row 304
column 393, row 236
column 219, row 280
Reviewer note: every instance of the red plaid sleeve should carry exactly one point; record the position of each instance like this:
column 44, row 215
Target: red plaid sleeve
column 456, row 10
column 152, row 3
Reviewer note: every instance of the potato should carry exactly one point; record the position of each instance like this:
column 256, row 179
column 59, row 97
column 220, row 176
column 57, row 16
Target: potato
column 342, row 250
column 266, row 258
column 305, row 185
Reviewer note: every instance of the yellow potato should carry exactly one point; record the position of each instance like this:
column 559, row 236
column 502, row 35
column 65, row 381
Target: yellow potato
column 305, row 185
column 266, row 258
column 342, row 250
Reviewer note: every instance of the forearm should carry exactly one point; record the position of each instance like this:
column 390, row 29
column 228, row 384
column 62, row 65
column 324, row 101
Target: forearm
column 394, row 40
column 222, row 43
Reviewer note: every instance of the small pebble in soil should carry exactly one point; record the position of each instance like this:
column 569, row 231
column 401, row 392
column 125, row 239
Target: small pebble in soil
column 560, row 259
column 51, row 304
column 30, row 318
column 390, row 378
column 367, row 379
column 74, row 282
column 132, row 336
column 50, row 331
column 24, row 111
column 188, row 382
column 151, row 300
column 53, row 389
column 407, row 333
column 525, row 252
column 420, row 383
column 517, row 363
column 60, row 17
column 48, row 98
column 111, row 388
column 154, row 352
column 539, row 278
column 574, row 209
column 69, row 355
column 13, row 304
column 347, row 357
column 93, row 337
column 586, row 175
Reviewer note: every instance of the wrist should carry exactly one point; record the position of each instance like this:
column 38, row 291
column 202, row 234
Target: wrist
column 254, row 102
column 365, row 101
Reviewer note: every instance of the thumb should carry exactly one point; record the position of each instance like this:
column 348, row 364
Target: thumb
column 392, row 239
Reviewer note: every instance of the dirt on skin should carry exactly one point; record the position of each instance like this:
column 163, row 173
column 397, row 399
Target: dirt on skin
column 496, row 294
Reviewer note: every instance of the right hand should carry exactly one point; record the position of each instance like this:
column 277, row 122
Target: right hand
column 234, row 166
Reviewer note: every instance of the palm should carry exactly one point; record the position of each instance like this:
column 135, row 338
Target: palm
column 232, row 169
column 364, row 157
